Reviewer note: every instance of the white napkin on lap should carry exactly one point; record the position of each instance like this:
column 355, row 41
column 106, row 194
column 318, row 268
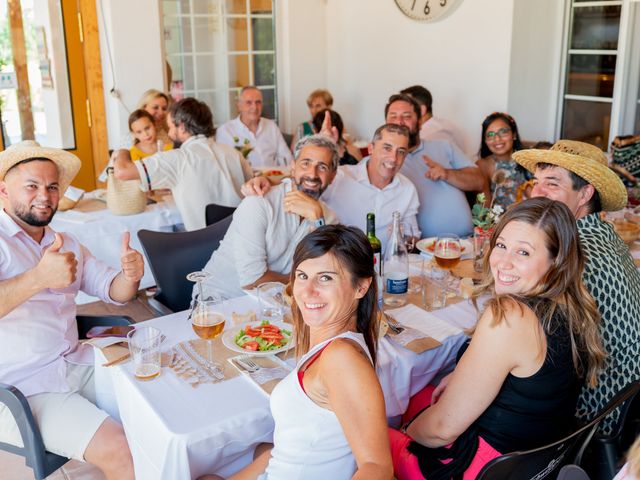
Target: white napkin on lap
column 416, row 317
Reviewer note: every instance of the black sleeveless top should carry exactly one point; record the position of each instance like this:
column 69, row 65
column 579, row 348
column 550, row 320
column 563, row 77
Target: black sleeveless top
column 528, row 412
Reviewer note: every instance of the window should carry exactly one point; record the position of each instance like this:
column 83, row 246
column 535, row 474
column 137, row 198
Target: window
column 601, row 84
column 215, row 47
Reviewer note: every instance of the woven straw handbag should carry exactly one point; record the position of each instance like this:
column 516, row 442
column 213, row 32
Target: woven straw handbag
column 124, row 197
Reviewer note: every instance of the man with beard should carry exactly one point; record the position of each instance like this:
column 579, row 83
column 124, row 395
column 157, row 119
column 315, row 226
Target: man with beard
column 373, row 185
column 41, row 272
column 198, row 173
column 263, row 235
column 440, row 172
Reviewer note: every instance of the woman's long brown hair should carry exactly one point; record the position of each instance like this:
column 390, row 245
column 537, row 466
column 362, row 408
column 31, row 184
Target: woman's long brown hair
column 351, row 249
column 562, row 285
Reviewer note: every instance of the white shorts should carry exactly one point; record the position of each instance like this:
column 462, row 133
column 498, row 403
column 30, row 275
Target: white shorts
column 67, row 421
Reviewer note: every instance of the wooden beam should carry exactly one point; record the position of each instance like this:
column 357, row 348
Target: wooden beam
column 95, row 89
column 19, row 53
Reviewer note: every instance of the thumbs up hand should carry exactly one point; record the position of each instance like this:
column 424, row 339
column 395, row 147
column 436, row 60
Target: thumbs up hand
column 57, row 269
column 436, row 171
column 131, row 260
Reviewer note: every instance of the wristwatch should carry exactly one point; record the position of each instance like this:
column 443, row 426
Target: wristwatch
column 319, row 222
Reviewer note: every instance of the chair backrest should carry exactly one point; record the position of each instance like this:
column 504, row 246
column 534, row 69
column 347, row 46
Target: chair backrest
column 172, row 255
column 544, row 462
column 87, row 322
column 572, row 472
column 213, row 213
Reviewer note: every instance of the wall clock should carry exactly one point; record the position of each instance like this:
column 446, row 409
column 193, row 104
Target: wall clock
column 427, row 10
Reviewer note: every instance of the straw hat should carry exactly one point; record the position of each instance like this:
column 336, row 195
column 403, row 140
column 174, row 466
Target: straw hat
column 586, row 161
column 68, row 164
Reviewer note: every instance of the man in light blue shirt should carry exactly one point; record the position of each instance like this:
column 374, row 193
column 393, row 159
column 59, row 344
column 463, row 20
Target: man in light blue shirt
column 440, row 172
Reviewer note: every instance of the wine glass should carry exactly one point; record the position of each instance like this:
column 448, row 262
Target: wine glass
column 447, row 253
column 207, row 319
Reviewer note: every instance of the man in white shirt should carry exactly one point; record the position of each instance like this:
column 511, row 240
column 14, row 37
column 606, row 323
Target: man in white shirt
column 373, row 185
column 434, row 128
column 200, row 172
column 265, row 230
column 258, row 139
column 41, row 272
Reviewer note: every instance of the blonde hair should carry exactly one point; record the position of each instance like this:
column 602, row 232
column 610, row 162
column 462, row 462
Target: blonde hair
column 149, row 95
column 324, row 94
column 561, row 285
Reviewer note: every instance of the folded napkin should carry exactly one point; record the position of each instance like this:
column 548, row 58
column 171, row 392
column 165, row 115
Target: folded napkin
column 427, row 323
column 413, row 340
column 114, row 349
column 271, row 371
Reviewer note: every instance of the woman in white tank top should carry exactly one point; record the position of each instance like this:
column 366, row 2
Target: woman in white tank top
column 329, row 412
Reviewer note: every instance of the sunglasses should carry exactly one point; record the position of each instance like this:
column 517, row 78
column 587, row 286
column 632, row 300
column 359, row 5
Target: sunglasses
column 503, row 132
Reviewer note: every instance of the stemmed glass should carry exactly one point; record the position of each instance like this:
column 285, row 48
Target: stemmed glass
column 207, row 319
column 447, row 252
column 409, row 236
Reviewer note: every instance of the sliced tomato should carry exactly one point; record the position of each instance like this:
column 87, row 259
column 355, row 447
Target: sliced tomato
column 253, row 346
column 272, row 336
column 251, row 332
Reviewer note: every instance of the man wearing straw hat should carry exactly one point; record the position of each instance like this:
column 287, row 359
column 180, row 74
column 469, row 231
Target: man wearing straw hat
column 41, row 272
column 577, row 174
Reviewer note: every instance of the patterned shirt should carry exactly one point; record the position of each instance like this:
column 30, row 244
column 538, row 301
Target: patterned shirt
column 613, row 280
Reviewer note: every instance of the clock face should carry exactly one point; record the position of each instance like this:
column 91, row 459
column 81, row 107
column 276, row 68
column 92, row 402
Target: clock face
column 427, row 10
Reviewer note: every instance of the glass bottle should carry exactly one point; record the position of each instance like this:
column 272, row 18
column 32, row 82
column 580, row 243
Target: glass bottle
column 396, row 267
column 375, row 243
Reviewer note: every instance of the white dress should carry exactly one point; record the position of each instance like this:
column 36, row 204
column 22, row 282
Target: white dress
column 309, row 442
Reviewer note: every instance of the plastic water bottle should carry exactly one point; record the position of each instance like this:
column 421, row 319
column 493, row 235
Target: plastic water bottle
column 396, row 267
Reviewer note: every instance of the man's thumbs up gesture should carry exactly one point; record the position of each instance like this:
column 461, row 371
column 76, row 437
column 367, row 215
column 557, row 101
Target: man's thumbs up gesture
column 131, row 260
column 57, row 269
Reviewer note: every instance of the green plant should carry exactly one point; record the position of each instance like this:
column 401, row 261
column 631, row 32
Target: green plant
column 485, row 217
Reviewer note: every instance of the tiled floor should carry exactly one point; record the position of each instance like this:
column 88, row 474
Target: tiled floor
column 12, row 467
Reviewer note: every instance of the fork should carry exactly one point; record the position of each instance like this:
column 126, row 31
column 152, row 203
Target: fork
column 248, row 364
column 393, row 324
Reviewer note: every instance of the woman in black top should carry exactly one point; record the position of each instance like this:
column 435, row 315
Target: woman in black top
column 516, row 385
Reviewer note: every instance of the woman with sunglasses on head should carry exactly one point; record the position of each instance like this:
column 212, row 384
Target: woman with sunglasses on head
column 329, row 412
column 516, row 383
column 503, row 177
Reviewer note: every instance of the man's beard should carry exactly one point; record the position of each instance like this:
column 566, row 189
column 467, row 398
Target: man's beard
column 312, row 193
column 29, row 218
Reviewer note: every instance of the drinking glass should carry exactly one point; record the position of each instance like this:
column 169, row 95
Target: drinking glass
column 271, row 300
column 208, row 322
column 435, row 294
column 409, row 236
column 416, row 262
column 480, row 248
column 144, row 347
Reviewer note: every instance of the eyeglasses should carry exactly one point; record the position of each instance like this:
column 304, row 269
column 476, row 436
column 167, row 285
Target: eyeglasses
column 503, row 132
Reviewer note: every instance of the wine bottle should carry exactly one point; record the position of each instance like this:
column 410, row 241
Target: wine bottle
column 375, row 243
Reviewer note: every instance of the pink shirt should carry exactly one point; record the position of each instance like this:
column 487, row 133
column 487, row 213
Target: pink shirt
column 40, row 336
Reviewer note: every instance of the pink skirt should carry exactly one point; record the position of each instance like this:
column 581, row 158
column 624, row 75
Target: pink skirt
column 405, row 464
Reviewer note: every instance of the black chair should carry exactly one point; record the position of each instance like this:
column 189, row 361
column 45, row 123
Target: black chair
column 544, row 462
column 572, row 472
column 43, row 463
column 213, row 213
column 173, row 255
column 605, row 452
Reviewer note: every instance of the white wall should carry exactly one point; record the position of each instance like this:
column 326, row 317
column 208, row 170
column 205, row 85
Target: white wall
column 536, row 56
column 374, row 51
column 132, row 31
column 301, row 39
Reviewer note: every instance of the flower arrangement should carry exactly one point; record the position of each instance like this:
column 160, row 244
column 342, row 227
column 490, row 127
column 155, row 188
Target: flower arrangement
column 244, row 148
column 484, row 218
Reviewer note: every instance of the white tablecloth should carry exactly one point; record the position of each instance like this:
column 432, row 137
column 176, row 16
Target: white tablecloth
column 176, row 431
column 101, row 232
